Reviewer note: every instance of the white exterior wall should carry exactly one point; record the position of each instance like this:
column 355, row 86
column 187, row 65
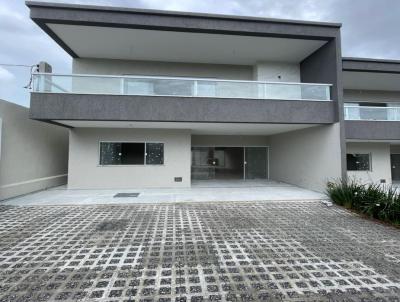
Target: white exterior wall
column 307, row 158
column 150, row 68
column 380, row 162
column 34, row 155
column 86, row 173
column 277, row 72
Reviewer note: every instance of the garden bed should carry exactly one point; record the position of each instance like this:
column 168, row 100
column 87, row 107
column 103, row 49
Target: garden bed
column 376, row 201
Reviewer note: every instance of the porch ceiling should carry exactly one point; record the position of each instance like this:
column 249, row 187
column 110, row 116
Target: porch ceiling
column 174, row 46
column 195, row 128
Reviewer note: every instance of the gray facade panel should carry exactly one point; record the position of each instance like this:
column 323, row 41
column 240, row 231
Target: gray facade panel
column 43, row 13
column 173, row 13
column 47, row 106
column 325, row 66
column 370, row 130
column 371, row 65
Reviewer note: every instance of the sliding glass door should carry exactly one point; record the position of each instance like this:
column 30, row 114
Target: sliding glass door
column 395, row 162
column 217, row 163
column 225, row 163
column 256, row 163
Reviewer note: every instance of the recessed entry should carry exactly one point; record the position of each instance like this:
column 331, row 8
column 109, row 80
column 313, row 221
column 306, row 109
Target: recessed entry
column 121, row 195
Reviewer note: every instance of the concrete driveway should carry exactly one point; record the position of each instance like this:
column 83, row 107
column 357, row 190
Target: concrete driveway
column 217, row 251
column 201, row 191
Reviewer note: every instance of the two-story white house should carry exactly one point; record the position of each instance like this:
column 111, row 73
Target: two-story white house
column 165, row 99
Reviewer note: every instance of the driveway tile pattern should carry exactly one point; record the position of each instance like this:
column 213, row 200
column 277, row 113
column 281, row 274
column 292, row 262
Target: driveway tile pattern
column 232, row 251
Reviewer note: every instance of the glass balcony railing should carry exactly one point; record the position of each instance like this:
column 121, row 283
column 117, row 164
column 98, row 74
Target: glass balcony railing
column 364, row 113
column 182, row 87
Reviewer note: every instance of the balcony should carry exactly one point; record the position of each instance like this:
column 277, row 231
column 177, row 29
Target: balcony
column 364, row 113
column 178, row 87
column 372, row 123
column 62, row 98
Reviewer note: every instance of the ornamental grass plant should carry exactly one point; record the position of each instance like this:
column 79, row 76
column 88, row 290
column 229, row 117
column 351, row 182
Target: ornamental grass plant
column 373, row 200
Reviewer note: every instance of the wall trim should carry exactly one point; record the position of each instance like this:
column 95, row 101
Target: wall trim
column 16, row 184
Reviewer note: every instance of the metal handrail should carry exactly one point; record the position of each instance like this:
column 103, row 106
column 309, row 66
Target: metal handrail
column 361, row 113
column 371, row 107
column 43, row 82
column 176, row 78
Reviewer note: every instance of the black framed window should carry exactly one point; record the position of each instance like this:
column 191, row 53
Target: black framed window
column 125, row 153
column 154, row 153
column 358, row 162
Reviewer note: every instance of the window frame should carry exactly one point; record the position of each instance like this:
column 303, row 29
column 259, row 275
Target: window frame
column 131, row 142
column 369, row 161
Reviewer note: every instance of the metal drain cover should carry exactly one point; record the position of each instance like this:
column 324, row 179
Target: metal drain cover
column 118, row 195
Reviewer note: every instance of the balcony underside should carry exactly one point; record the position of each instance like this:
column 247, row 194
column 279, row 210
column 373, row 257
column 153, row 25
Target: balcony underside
column 372, row 130
column 86, row 107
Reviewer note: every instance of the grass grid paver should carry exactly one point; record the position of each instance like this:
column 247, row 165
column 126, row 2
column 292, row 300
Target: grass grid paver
column 227, row 251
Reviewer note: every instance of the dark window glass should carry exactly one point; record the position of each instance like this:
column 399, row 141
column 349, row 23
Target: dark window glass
column 121, row 153
column 358, row 162
column 369, row 104
column 110, row 153
column 154, row 154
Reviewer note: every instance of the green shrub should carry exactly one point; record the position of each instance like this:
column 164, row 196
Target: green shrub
column 374, row 200
column 345, row 192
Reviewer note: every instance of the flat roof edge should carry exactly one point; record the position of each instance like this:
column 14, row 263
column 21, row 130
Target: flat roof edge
column 354, row 64
column 178, row 13
column 370, row 60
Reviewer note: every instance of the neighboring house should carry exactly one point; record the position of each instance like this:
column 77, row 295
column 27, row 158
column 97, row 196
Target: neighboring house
column 161, row 99
column 372, row 114
column 33, row 155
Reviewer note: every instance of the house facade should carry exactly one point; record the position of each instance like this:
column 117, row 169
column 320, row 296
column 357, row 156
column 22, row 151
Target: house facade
column 164, row 99
column 372, row 119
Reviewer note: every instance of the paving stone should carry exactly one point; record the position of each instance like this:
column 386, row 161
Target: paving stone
column 227, row 251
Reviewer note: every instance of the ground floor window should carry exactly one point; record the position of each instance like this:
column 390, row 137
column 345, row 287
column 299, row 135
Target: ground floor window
column 131, row 153
column 358, row 162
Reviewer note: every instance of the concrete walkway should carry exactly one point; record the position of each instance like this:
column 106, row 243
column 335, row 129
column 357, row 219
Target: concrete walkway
column 201, row 191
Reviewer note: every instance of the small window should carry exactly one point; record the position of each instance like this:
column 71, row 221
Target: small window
column 131, row 153
column 358, row 162
column 154, row 154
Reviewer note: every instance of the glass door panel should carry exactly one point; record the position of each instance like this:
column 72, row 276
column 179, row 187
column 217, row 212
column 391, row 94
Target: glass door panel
column 203, row 163
column 256, row 163
column 395, row 162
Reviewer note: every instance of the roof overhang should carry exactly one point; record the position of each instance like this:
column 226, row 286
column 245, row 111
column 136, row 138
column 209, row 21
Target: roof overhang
column 371, row 74
column 121, row 33
column 195, row 128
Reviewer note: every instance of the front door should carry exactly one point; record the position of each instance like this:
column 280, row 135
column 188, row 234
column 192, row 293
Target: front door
column 395, row 162
column 256, row 163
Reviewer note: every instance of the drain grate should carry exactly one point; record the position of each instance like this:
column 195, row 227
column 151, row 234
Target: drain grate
column 118, row 195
